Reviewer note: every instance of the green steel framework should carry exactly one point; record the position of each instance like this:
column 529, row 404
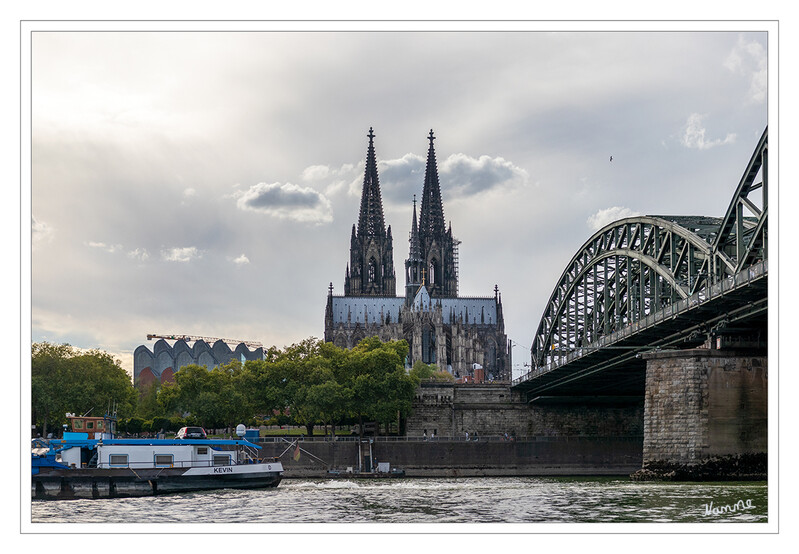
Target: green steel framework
column 639, row 272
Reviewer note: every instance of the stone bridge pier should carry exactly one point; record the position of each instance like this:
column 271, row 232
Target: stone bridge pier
column 705, row 415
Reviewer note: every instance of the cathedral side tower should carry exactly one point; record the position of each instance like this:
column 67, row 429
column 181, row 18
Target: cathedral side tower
column 436, row 244
column 371, row 268
column 414, row 265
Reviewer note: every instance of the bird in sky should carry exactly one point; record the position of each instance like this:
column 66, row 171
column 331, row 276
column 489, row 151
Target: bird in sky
column 611, row 158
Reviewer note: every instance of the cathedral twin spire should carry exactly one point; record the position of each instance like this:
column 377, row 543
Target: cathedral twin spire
column 432, row 249
column 431, row 221
column 370, row 220
column 436, row 246
column 371, row 268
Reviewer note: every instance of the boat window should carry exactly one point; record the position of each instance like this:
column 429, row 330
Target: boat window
column 202, row 450
column 118, row 460
column 221, row 460
column 89, row 425
column 163, row 460
column 77, row 424
column 99, row 424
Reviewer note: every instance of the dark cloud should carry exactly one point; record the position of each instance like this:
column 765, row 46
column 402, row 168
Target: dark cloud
column 286, row 201
column 459, row 176
column 463, row 175
column 401, row 178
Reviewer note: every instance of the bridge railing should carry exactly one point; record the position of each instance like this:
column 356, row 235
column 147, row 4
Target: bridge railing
column 740, row 279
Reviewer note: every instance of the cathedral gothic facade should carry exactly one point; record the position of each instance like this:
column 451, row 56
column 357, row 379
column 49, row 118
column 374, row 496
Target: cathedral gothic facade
column 462, row 335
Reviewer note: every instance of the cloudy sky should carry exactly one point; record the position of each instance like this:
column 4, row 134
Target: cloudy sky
column 206, row 183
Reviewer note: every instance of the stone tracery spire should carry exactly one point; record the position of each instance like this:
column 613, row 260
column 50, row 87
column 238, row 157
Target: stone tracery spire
column 371, row 221
column 431, row 219
column 437, row 246
column 371, row 268
column 414, row 265
column 416, row 249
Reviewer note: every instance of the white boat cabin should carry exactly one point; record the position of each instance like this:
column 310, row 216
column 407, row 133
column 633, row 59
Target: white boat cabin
column 137, row 456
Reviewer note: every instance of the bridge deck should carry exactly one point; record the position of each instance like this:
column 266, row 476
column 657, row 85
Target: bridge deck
column 611, row 366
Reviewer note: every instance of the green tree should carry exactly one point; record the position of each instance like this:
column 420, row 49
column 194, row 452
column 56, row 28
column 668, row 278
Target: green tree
column 64, row 379
column 374, row 374
column 425, row 372
column 134, row 425
column 161, row 424
column 99, row 382
column 49, row 379
column 304, row 404
column 282, row 383
column 148, row 406
column 215, row 398
column 255, row 383
column 422, row 371
column 175, row 423
column 329, row 400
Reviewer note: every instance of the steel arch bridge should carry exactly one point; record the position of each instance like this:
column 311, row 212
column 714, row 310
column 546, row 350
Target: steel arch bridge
column 654, row 282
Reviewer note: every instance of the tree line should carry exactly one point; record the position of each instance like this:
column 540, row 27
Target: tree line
column 309, row 383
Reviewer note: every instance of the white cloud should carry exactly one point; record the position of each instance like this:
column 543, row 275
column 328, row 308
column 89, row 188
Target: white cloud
column 139, row 254
column 286, row 201
column 41, row 232
column 185, row 254
column 347, row 177
column 315, row 173
column 694, row 134
column 750, row 60
column 609, row 215
column 110, row 248
column 459, row 175
column 241, row 260
column 189, row 192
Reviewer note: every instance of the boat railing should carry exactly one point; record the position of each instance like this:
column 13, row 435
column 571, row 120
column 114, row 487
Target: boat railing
column 179, row 464
column 451, row 438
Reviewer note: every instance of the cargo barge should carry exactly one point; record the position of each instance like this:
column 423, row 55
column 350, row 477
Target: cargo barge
column 77, row 466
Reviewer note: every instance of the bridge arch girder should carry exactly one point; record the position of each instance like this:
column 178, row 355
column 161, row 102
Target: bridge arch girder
column 626, row 270
column 743, row 231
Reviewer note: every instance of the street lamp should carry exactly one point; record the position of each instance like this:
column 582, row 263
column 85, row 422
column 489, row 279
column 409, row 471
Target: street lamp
column 512, row 344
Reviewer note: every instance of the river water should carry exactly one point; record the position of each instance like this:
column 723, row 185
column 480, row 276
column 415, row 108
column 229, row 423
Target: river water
column 452, row 500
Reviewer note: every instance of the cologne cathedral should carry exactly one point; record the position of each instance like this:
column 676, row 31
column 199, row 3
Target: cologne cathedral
column 462, row 335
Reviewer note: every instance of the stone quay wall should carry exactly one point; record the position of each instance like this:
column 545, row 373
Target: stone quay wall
column 545, row 456
column 452, row 410
column 559, row 437
column 702, row 404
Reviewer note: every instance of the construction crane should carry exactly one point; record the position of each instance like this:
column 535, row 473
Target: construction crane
column 209, row 340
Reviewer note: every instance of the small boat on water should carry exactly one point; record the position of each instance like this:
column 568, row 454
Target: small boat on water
column 382, row 470
column 77, row 466
column 392, row 474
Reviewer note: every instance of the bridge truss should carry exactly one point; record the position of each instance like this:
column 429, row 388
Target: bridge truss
column 648, row 272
